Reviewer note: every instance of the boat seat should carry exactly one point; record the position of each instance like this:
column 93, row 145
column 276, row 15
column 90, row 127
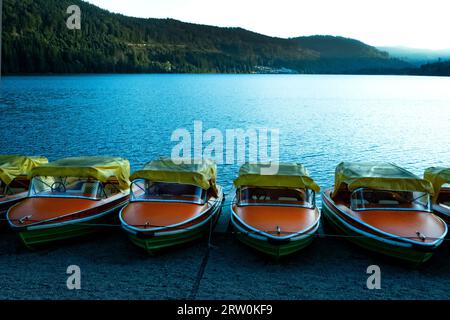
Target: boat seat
column 361, row 202
column 388, row 202
column 111, row 188
column 287, row 199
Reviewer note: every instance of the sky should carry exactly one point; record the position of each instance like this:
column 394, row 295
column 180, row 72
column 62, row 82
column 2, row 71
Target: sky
column 407, row 23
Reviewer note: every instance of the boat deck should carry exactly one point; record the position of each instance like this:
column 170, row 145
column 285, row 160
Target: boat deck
column 271, row 219
column 160, row 214
column 33, row 210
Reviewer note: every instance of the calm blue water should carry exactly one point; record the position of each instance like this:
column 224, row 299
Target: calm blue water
column 322, row 119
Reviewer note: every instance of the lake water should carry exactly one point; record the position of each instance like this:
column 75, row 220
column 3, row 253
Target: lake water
column 323, row 120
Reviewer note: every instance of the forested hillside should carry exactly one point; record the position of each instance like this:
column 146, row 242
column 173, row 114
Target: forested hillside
column 36, row 40
column 435, row 69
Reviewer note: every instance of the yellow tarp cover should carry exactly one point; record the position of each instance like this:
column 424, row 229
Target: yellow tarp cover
column 290, row 175
column 438, row 176
column 100, row 168
column 200, row 173
column 381, row 176
column 12, row 166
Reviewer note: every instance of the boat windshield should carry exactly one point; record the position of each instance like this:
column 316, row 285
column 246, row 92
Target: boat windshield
column 276, row 196
column 144, row 190
column 67, row 187
column 369, row 199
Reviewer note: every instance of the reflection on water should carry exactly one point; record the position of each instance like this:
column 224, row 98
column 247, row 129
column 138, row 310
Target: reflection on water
column 322, row 119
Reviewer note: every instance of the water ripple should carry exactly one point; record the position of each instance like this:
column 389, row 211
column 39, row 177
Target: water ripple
column 323, row 120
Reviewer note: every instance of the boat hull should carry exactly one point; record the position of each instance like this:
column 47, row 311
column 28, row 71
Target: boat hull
column 274, row 249
column 35, row 237
column 158, row 242
column 270, row 245
column 154, row 245
column 406, row 252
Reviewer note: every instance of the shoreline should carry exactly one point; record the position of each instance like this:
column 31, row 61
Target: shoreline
column 221, row 74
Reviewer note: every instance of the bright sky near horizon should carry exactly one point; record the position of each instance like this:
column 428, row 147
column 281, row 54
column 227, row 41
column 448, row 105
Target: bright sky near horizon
column 408, row 23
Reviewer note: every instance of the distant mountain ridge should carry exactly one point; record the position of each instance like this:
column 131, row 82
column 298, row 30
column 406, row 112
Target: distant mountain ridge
column 340, row 47
column 36, row 40
column 417, row 56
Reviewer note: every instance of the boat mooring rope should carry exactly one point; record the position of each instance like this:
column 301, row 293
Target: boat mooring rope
column 211, row 232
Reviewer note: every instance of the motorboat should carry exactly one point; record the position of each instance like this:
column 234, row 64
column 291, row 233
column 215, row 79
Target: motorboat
column 275, row 213
column 172, row 203
column 384, row 208
column 69, row 198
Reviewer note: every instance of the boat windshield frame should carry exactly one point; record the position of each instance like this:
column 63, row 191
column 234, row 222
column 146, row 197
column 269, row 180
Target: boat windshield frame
column 203, row 198
column 359, row 191
column 33, row 194
column 312, row 193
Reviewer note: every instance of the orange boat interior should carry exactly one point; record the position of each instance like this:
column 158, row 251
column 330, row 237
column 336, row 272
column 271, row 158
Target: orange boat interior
column 405, row 221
